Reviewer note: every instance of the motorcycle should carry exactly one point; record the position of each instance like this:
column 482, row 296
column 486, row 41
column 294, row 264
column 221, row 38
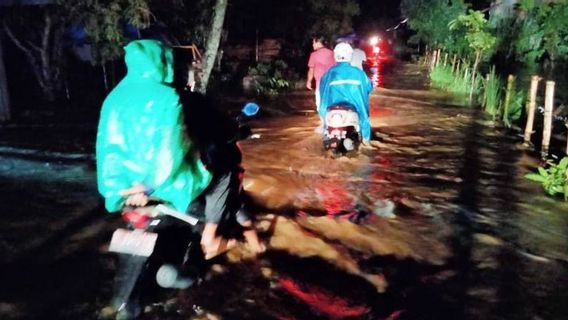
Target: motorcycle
column 342, row 133
column 160, row 247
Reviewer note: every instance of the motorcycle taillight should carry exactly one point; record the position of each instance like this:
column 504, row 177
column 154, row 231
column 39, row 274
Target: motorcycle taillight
column 136, row 219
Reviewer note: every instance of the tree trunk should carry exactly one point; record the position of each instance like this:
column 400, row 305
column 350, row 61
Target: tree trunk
column 212, row 45
column 4, row 97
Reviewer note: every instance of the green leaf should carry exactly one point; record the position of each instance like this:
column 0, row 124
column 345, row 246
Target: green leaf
column 535, row 177
column 543, row 172
column 563, row 164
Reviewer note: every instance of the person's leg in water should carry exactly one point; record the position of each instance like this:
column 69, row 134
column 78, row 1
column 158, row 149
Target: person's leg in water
column 213, row 244
column 221, row 199
column 249, row 232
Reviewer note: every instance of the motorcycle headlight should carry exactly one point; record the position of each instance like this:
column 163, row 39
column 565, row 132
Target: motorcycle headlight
column 335, row 120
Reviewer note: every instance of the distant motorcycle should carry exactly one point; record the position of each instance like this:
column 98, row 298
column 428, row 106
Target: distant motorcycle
column 342, row 133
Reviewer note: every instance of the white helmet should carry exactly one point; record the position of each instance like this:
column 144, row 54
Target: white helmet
column 343, row 52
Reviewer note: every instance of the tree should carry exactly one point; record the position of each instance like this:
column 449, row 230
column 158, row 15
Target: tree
column 477, row 35
column 4, row 96
column 38, row 32
column 332, row 18
column 430, row 18
column 536, row 30
column 212, row 44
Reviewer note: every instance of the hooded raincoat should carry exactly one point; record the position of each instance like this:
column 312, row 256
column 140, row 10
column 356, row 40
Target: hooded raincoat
column 141, row 137
column 344, row 83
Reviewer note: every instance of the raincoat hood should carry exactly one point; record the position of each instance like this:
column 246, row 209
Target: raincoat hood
column 149, row 60
column 142, row 139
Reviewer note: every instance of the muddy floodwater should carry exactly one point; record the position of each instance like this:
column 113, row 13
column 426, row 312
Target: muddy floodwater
column 434, row 220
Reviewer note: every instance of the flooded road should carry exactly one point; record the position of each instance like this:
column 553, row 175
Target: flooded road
column 433, row 221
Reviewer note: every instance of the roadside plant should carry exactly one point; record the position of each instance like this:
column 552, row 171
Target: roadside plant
column 457, row 82
column 514, row 107
column 270, row 77
column 554, row 178
column 480, row 40
column 492, row 90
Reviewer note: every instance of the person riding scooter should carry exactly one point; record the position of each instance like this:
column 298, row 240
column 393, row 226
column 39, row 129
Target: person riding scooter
column 143, row 147
column 345, row 84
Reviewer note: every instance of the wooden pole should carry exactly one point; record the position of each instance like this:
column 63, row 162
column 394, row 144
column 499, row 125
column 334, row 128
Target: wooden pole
column 445, row 59
column 438, row 56
column 433, row 63
column 510, row 81
column 566, row 125
column 454, row 61
column 548, row 104
column 531, row 107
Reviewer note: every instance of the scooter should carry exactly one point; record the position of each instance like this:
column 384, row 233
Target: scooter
column 160, row 246
column 157, row 246
column 342, row 131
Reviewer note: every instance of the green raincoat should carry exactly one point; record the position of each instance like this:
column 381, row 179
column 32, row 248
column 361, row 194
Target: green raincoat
column 141, row 136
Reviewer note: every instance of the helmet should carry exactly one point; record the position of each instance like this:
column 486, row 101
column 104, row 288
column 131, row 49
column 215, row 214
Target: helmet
column 343, row 52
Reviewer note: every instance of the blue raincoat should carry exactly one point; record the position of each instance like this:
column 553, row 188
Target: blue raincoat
column 344, row 83
column 141, row 137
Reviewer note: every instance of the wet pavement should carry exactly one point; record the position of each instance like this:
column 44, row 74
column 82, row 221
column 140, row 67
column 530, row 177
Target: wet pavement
column 433, row 221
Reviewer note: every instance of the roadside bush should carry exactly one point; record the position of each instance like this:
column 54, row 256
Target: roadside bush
column 269, row 78
column 554, row 178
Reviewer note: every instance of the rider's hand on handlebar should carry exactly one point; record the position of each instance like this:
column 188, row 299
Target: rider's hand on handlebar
column 137, row 200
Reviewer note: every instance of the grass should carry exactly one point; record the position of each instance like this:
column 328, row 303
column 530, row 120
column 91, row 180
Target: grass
column 457, row 82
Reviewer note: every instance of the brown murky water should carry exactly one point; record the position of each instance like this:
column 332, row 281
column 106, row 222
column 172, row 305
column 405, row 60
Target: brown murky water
column 434, row 221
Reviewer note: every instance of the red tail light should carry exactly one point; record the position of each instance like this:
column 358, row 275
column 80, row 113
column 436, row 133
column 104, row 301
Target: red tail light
column 137, row 219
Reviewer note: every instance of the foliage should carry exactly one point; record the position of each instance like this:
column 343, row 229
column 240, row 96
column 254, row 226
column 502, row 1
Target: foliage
column 270, row 77
column 187, row 21
column 492, row 89
column 430, row 18
column 512, row 112
column 554, row 179
column 457, row 82
column 332, row 18
column 475, row 28
column 538, row 29
column 105, row 21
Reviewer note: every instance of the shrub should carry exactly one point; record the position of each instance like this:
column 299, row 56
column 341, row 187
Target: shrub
column 492, row 90
column 270, row 77
column 554, row 179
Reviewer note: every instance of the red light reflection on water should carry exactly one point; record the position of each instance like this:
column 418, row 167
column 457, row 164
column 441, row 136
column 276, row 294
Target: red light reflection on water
column 334, row 198
column 375, row 71
column 322, row 301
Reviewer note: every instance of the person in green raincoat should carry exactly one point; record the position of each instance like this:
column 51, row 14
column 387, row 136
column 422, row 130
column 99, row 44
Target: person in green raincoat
column 142, row 148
